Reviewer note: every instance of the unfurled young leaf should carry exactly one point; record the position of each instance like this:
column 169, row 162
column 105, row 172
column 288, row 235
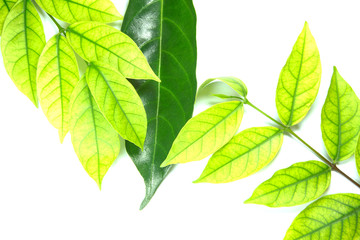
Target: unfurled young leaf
column 206, row 133
column 95, row 41
column 22, row 42
column 340, row 119
column 235, row 83
column 335, row 217
column 5, row 6
column 57, row 75
column 298, row 184
column 165, row 31
column 72, row 11
column 299, row 80
column 246, row 153
column 95, row 142
column 118, row 101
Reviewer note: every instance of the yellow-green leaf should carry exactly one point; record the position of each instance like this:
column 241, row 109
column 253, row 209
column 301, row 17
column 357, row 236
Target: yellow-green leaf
column 22, row 42
column 5, row 6
column 246, row 153
column 298, row 184
column 357, row 156
column 340, row 119
column 205, row 133
column 95, row 142
column 235, row 83
column 72, row 11
column 99, row 42
column 333, row 217
column 299, row 80
column 118, row 101
column 57, row 75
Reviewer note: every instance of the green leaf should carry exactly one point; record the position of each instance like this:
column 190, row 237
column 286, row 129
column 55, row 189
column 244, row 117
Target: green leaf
column 335, row 217
column 340, row 119
column 118, row 101
column 298, row 184
column 235, row 83
column 57, row 75
column 72, row 11
column 22, row 42
column 95, row 41
column 165, row 31
column 357, row 156
column 246, row 153
column 205, row 133
column 299, row 80
column 5, row 6
column 95, row 142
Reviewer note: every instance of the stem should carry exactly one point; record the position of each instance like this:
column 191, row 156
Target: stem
column 61, row 29
column 292, row 133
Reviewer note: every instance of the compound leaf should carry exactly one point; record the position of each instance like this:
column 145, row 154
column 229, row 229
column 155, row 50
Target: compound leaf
column 95, row 41
column 72, row 11
column 340, row 119
column 95, row 142
column 298, row 184
column 22, row 42
column 5, row 6
column 165, row 31
column 118, row 101
column 333, row 217
column 299, row 80
column 235, row 83
column 57, row 75
column 246, row 153
column 205, row 133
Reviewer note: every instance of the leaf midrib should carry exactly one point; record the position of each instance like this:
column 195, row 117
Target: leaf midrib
column 297, row 82
column 60, row 83
column 345, row 216
column 337, row 156
column 107, row 83
column 244, row 153
column 107, row 49
column 316, row 175
column 193, row 142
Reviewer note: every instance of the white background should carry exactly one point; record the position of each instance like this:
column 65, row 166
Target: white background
column 46, row 194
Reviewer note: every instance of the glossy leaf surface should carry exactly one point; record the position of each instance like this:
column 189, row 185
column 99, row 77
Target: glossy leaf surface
column 22, row 42
column 340, row 119
column 235, row 83
column 298, row 184
column 333, row 217
column 299, row 80
column 165, row 31
column 72, row 11
column 246, row 153
column 118, row 101
column 206, row 133
column 95, row 142
column 95, row 41
column 57, row 75
column 5, row 6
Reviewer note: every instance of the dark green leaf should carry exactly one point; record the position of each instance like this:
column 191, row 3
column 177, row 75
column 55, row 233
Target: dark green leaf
column 165, row 30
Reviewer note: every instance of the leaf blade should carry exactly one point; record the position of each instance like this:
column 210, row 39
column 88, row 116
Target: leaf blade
column 22, row 42
column 299, row 80
column 281, row 190
column 246, row 153
column 95, row 142
column 202, row 131
column 98, row 42
column 5, row 6
column 235, row 83
column 165, row 31
column 72, row 11
column 340, row 126
column 331, row 217
column 57, row 75
column 118, row 101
